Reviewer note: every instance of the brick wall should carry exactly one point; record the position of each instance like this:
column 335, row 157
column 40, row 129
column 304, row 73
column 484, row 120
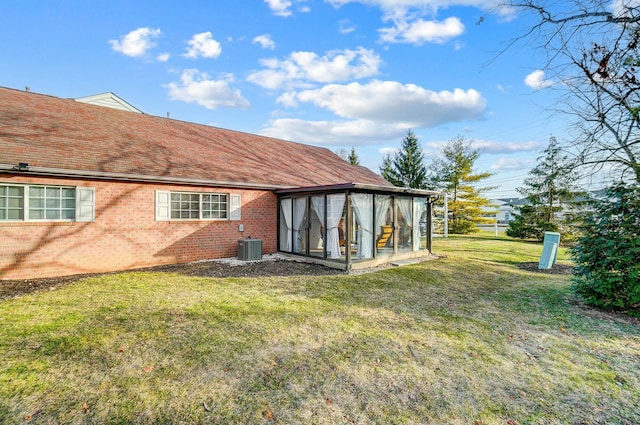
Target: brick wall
column 125, row 234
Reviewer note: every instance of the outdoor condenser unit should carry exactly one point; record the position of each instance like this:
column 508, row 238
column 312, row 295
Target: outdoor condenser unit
column 250, row 249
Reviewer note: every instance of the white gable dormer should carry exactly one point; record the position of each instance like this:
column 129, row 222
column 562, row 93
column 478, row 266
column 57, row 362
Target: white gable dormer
column 108, row 100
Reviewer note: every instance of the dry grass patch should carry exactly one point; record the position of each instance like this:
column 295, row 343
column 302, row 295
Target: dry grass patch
column 468, row 339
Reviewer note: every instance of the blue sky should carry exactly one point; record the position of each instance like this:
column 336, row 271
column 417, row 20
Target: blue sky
column 334, row 73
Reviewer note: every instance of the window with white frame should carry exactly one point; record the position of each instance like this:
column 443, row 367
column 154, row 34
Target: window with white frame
column 52, row 203
column 214, row 206
column 197, row 206
column 46, row 203
column 185, row 206
column 11, row 202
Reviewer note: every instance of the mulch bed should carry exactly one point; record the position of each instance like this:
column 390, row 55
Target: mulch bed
column 249, row 269
column 12, row 288
column 556, row 269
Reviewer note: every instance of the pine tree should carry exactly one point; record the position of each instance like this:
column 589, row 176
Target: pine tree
column 387, row 172
column 453, row 173
column 607, row 252
column 550, row 190
column 353, row 157
column 409, row 163
column 406, row 168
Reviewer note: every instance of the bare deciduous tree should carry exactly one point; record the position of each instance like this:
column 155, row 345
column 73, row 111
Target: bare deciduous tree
column 593, row 55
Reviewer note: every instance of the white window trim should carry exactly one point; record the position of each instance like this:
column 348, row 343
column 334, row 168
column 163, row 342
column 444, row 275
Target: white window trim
column 84, row 208
column 163, row 206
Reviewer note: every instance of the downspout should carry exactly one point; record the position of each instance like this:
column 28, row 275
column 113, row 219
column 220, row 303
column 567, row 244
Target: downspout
column 347, row 230
column 430, row 224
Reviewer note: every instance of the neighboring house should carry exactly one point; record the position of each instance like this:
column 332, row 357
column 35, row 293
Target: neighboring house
column 93, row 185
column 506, row 207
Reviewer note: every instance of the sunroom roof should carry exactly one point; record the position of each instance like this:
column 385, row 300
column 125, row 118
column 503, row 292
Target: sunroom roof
column 360, row 186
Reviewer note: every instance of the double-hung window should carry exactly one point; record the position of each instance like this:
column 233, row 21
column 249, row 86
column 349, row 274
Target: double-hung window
column 196, row 206
column 46, row 203
column 11, row 202
column 52, row 203
column 215, row 206
column 185, row 206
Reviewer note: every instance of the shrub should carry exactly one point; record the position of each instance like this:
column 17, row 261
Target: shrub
column 529, row 224
column 460, row 226
column 607, row 254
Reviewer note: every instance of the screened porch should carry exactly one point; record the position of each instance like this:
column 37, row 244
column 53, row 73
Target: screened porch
column 355, row 226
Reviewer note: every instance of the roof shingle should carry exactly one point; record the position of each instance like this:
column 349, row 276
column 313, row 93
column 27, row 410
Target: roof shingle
column 51, row 132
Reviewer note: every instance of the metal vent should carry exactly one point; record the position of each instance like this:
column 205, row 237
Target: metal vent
column 250, row 249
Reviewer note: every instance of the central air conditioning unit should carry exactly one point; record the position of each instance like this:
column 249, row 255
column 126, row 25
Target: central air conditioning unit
column 250, row 249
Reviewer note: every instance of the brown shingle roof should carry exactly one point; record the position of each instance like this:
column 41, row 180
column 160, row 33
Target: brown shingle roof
column 50, row 132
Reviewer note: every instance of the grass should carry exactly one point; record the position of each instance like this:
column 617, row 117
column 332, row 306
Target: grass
column 466, row 339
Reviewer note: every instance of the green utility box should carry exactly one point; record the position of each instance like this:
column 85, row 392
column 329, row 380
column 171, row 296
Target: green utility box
column 549, row 250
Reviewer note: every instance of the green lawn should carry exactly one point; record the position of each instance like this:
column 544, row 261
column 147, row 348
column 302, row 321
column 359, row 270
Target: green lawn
column 466, row 339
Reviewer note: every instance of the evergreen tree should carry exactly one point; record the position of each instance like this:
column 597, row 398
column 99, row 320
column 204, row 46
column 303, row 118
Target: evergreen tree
column 387, row 171
column 353, row 157
column 409, row 163
column 550, row 189
column 406, row 168
column 453, row 173
column 607, row 253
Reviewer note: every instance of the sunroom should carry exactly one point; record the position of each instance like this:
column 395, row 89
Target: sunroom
column 355, row 226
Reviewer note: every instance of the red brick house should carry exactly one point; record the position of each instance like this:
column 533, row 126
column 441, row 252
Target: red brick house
column 87, row 188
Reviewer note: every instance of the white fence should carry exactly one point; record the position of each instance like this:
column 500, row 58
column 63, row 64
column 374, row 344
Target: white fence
column 496, row 228
column 440, row 224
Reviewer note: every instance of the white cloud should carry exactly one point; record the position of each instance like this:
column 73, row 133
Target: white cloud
column 512, row 164
column 624, row 7
column 505, row 147
column 288, row 99
column 136, row 43
column 407, row 105
column 203, row 45
column 333, row 133
column 345, row 26
column 279, row 7
column 537, row 81
column 388, row 151
column 375, row 112
column 431, row 6
column 163, row 57
column 264, row 41
column 491, row 147
column 301, row 69
column 420, row 31
column 414, row 19
column 196, row 87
